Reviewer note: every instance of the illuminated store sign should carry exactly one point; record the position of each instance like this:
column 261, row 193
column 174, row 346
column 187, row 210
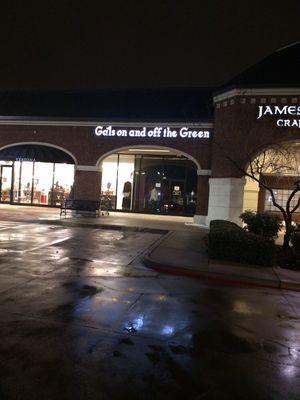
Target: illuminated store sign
column 152, row 132
column 281, row 112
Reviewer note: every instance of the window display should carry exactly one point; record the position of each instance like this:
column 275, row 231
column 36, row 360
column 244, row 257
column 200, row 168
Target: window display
column 26, row 181
column 109, row 182
column 125, row 182
column 39, row 183
column 6, row 182
column 152, row 184
column 62, row 183
column 42, row 183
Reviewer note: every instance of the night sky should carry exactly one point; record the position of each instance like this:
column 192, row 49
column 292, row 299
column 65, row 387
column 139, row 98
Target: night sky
column 139, row 44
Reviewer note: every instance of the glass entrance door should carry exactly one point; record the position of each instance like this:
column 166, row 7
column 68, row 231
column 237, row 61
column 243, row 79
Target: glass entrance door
column 6, row 183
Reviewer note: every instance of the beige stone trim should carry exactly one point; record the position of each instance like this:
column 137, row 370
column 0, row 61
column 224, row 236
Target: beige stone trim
column 204, row 172
column 92, row 168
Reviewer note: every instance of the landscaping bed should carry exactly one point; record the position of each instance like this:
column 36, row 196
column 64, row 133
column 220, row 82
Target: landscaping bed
column 254, row 244
column 227, row 241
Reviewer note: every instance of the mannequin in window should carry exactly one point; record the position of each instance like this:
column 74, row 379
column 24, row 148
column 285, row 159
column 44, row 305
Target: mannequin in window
column 153, row 199
column 108, row 191
column 126, row 196
column 106, row 199
column 153, row 194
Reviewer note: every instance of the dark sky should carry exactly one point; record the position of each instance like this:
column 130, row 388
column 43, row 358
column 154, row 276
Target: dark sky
column 130, row 44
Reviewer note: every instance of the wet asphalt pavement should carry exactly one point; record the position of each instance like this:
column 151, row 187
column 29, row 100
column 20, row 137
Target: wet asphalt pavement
column 82, row 318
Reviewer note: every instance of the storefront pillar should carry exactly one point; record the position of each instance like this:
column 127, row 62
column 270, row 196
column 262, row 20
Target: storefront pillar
column 202, row 197
column 226, row 199
column 87, row 183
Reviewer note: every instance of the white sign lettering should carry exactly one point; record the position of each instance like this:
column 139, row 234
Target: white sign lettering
column 153, row 132
column 288, row 111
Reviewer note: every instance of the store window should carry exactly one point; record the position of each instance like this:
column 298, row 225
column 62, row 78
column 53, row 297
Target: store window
column 25, row 181
column 109, row 182
column 39, row 183
column 117, row 182
column 6, row 181
column 125, row 182
column 62, row 183
column 151, row 184
column 42, row 183
column 281, row 196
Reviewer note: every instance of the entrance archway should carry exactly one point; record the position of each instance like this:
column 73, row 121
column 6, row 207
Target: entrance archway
column 33, row 173
column 148, row 179
column 158, row 149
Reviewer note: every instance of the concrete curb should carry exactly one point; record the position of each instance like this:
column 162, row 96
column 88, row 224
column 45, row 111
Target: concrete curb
column 295, row 286
column 229, row 279
column 211, row 276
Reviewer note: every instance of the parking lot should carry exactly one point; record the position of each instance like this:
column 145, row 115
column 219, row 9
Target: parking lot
column 83, row 318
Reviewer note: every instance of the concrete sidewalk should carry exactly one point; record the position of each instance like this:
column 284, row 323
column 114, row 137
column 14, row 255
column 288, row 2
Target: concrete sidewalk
column 115, row 220
column 184, row 253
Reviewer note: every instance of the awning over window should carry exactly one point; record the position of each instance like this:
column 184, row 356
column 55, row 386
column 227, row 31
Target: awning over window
column 35, row 152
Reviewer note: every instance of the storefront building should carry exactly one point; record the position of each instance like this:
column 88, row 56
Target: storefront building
column 172, row 152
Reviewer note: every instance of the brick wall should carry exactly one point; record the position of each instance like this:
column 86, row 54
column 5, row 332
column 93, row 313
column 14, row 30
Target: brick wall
column 239, row 134
column 88, row 148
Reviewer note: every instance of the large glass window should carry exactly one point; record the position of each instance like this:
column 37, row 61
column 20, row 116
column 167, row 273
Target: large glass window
column 42, row 183
column 17, row 187
column 6, row 181
column 26, row 182
column 109, row 182
column 36, row 182
column 153, row 184
column 125, row 182
column 62, row 182
column 281, row 196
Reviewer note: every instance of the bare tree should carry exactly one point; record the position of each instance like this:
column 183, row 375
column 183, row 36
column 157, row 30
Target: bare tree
column 281, row 161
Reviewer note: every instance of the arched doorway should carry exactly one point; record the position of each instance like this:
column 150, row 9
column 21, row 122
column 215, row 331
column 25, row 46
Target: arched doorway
column 155, row 180
column 35, row 174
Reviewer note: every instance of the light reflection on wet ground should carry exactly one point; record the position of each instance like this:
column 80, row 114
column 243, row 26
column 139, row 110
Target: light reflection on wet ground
column 81, row 317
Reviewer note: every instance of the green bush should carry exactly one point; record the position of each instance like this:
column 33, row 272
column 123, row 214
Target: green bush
column 264, row 223
column 228, row 241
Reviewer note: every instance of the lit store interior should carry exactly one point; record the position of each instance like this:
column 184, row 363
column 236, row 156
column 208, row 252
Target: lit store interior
column 38, row 175
column 148, row 181
column 152, row 181
column 39, row 183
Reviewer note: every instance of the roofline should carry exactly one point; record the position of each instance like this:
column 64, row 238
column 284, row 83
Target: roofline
column 287, row 46
column 99, row 91
column 44, row 121
column 271, row 91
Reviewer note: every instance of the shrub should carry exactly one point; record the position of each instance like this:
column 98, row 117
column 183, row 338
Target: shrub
column 264, row 223
column 227, row 241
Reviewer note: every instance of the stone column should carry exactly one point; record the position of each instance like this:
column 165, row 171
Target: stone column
column 202, row 196
column 226, row 199
column 87, row 183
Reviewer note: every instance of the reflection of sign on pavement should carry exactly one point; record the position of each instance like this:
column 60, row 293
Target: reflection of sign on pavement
column 281, row 112
column 153, row 132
